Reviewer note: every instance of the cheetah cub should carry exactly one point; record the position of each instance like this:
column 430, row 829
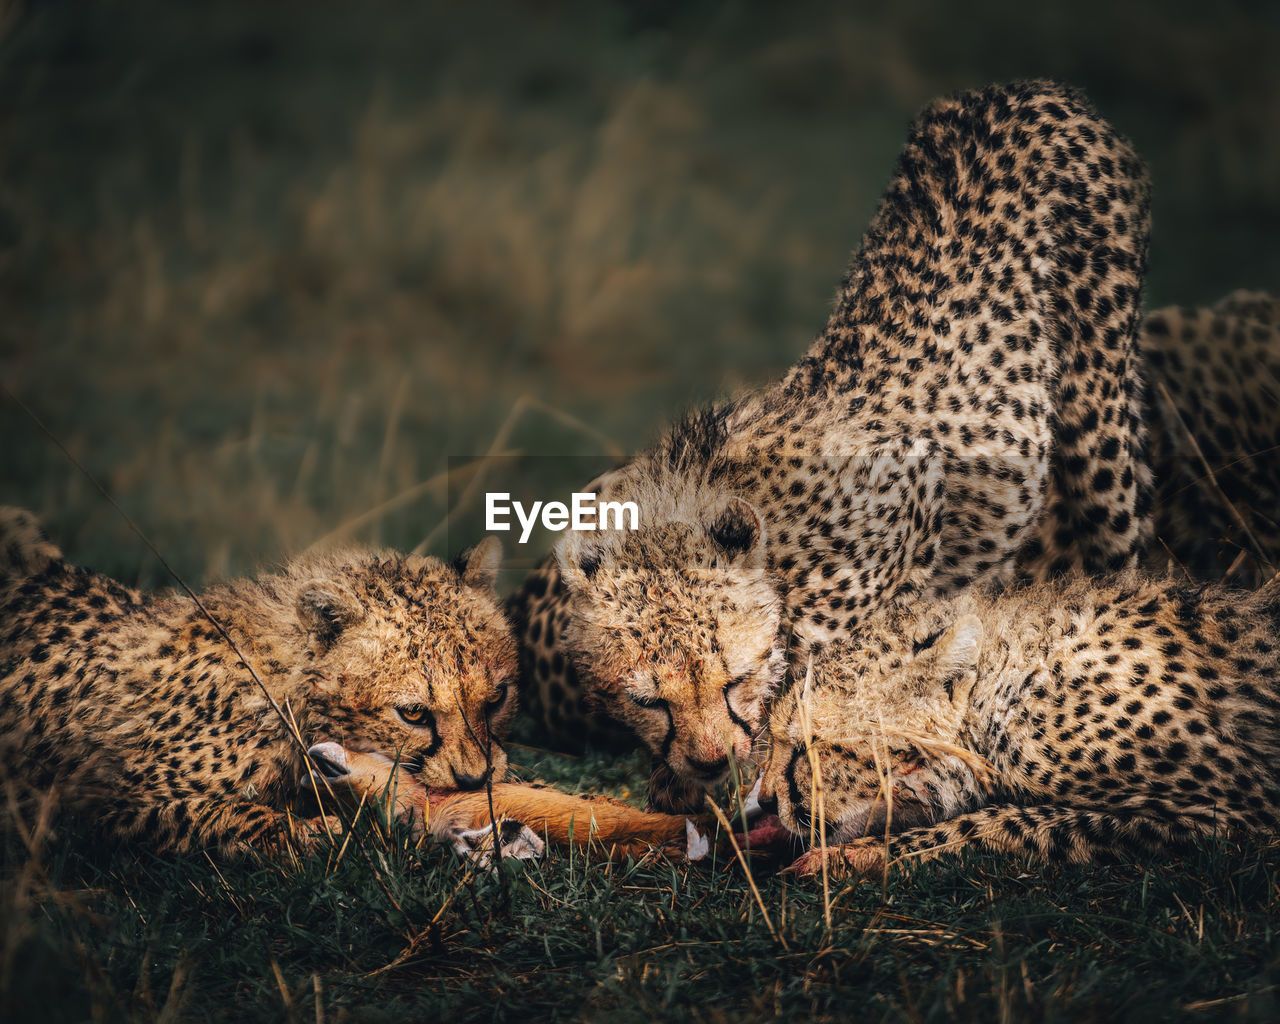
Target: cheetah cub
column 1064, row 721
column 138, row 712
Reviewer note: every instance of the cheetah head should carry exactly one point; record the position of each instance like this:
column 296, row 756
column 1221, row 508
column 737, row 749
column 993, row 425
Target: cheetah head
column 409, row 658
column 883, row 725
column 677, row 629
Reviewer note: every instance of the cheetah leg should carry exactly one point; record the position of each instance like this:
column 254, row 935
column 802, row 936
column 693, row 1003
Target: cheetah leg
column 1049, row 833
column 230, row 827
column 242, row 826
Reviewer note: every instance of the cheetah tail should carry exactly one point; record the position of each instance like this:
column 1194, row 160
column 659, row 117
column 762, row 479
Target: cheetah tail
column 24, row 548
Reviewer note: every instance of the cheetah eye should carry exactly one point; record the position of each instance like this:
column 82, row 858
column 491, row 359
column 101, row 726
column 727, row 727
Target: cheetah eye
column 415, row 714
column 498, row 699
column 646, row 701
column 736, row 530
column 927, row 642
column 736, row 682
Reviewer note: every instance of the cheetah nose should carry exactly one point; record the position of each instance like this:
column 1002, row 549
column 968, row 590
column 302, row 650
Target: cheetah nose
column 465, row 781
column 330, row 760
column 709, row 770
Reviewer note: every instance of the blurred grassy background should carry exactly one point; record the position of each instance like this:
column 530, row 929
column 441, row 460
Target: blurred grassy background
column 274, row 270
column 266, row 267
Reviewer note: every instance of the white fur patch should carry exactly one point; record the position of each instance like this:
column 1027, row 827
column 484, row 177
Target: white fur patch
column 519, row 842
column 751, row 805
column 698, row 846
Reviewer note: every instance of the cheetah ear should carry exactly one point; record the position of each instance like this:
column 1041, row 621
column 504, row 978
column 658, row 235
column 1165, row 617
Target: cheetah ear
column 478, row 567
column 738, row 529
column 957, row 656
column 326, row 610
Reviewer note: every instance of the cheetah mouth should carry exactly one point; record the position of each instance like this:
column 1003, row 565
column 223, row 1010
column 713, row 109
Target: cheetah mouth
column 701, row 780
column 704, row 773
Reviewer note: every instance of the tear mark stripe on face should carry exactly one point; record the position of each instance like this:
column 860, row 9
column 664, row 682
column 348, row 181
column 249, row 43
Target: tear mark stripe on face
column 428, row 722
column 796, row 795
column 670, row 737
column 733, row 715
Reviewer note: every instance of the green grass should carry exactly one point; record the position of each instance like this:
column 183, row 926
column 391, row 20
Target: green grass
column 405, row 933
column 272, row 271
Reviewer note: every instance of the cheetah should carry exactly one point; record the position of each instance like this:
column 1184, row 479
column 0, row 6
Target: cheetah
column 973, row 401
column 1067, row 721
column 1214, row 375
column 134, row 709
column 1221, row 367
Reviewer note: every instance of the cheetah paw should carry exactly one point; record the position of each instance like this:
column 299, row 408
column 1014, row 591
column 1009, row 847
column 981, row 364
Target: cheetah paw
column 517, row 841
column 850, row 860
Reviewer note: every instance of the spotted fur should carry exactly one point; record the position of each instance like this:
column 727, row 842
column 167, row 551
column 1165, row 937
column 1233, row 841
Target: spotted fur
column 137, row 711
column 1220, row 367
column 1220, row 371
column 1064, row 722
column 974, row 398
column 551, row 691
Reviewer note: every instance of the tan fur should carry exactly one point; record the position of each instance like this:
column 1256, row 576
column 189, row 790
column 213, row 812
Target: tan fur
column 138, row 711
column 596, row 825
column 974, row 404
column 1066, row 722
column 24, row 549
column 1221, row 367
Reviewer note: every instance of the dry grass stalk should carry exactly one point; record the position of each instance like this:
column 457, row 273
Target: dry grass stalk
column 28, row 888
column 285, row 996
column 318, row 986
column 816, row 795
column 434, row 482
column 883, row 773
column 755, row 891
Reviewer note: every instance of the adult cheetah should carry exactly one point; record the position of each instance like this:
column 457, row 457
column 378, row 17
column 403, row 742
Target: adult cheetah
column 1065, row 721
column 137, row 711
column 1219, row 366
column 974, row 398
